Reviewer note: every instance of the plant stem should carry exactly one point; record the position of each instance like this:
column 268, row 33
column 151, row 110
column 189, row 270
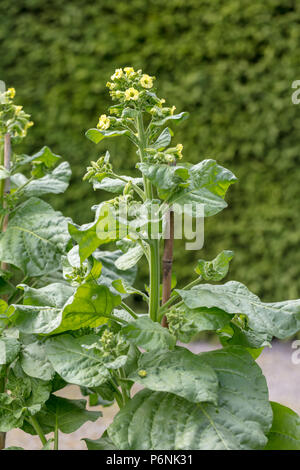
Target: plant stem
column 154, row 279
column 176, row 296
column 56, row 435
column 35, row 424
column 168, row 263
column 118, row 394
column 142, row 145
column 129, row 310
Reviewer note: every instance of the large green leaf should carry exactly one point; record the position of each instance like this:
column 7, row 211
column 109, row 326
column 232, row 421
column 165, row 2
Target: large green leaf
column 74, row 363
column 240, row 421
column 67, row 415
column 52, row 295
column 208, row 184
column 55, row 182
column 9, row 349
column 163, row 140
column 173, row 117
column 35, row 238
column 280, row 319
column 44, row 156
column 180, row 372
column 90, row 306
column 149, row 335
column 285, row 430
column 130, row 258
column 33, row 359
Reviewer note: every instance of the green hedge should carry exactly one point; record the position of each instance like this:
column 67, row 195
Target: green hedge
column 229, row 63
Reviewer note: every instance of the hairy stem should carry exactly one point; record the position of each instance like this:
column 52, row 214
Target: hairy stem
column 129, row 310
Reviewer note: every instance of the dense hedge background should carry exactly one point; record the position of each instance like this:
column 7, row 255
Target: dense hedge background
column 229, row 63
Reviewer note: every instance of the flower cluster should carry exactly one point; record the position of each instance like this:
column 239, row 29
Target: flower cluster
column 99, row 169
column 169, row 156
column 110, row 345
column 78, row 274
column 176, row 320
column 12, row 117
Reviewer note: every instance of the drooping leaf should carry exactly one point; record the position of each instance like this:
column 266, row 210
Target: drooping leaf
column 103, row 443
column 216, row 269
column 95, row 135
column 130, row 258
column 44, row 156
column 175, row 117
column 163, row 140
column 149, row 335
column 280, row 319
column 114, row 185
column 74, row 363
column 35, row 238
column 180, row 372
column 285, row 430
column 68, row 415
column 55, row 182
column 240, row 421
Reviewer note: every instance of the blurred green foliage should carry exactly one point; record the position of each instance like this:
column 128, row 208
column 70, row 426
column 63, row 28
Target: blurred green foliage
column 229, row 63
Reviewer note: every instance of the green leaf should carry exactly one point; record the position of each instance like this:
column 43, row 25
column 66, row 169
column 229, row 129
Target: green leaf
column 9, row 349
column 166, row 178
column 74, row 363
column 35, row 238
column 10, row 417
column 36, row 320
column 103, row 443
column 114, row 185
column 240, row 421
column 33, row 359
column 285, row 431
column 95, row 135
column 180, row 372
column 175, row 117
column 200, row 319
column 55, row 182
column 53, row 295
column 280, row 319
column 234, row 334
column 45, row 156
column 68, row 415
column 130, row 258
column 216, row 269
column 163, row 140
column 208, row 184
column 149, row 335
column 90, row 306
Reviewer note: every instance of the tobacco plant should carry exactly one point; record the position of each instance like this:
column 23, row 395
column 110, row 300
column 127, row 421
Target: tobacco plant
column 66, row 313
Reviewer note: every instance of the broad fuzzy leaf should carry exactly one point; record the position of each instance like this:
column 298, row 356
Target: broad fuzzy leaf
column 9, row 349
column 55, row 182
column 180, row 372
column 240, row 421
column 149, row 335
column 74, row 363
column 114, row 185
column 280, row 319
column 68, row 415
column 33, row 359
column 10, row 417
column 95, row 135
column 35, row 238
column 285, row 431
column 166, row 178
column 130, row 258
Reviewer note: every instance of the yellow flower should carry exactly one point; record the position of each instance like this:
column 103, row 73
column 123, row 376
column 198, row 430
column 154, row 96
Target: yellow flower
column 18, row 109
column 179, row 148
column 104, row 122
column 11, row 92
column 172, row 110
column 146, row 81
column 131, row 94
column 162, row 101
column 111, row 85
column 118, row 74
column 129, row 71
